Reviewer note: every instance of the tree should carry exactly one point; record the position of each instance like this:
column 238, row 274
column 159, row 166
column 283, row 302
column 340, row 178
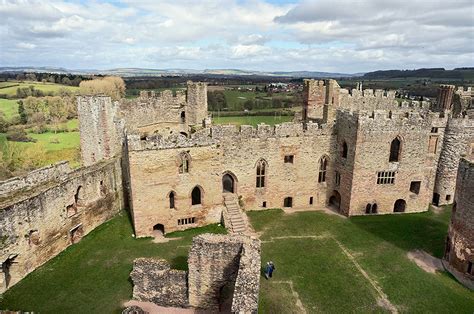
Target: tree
column 30, row 77
column 112, row 86
column 22, row 112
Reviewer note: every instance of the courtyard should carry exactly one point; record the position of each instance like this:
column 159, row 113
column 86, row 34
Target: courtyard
column 325, row 263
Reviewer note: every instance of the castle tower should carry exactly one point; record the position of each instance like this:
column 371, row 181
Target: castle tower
column 196, row 99
column 459, row 251
column 457, row 143
column 318, row 96
column 445, row 97
column 99, row 136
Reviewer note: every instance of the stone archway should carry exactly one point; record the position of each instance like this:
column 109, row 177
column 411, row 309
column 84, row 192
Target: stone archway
column 229, row 182
column 399, row 206
column 335, row 199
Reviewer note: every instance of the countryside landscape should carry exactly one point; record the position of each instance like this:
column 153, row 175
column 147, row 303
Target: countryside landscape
column 236, row 157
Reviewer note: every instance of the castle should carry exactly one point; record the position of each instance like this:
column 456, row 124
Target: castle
column 362, row 152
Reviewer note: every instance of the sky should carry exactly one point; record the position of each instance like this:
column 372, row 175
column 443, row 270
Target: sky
column 346, row 36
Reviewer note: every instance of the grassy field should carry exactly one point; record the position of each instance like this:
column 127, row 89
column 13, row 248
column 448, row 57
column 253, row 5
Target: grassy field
column 252, row 120
column 58, row 146
column 93, row 275
column 315, row 264
column 9, row 88
column 9, row 107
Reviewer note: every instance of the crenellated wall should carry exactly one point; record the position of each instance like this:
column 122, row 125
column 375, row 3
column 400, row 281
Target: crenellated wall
column 38, row 221
column 460, row 241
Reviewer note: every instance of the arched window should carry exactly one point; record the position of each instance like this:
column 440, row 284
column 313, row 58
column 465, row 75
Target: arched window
column 344, row 150
column 184, row 162
column 374, row 208
column 196, row 196
column 172, row 197
column 399, row 206
column 395, row 150
column 261, row 168
column 368, row 208
column 323, row 164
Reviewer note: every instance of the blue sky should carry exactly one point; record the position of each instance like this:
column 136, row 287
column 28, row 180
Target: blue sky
column 321, row 35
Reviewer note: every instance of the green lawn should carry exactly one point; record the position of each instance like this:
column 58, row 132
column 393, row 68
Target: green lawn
column 326, row 280
column 9, row 107
column 93, row 275
column 251, row 120
column 9, row 88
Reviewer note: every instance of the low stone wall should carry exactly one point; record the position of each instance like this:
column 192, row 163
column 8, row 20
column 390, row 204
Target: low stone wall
column 154, row 281
column 224, row 275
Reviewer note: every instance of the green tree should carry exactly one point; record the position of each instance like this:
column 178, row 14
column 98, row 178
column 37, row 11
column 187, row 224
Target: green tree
column 22, row 112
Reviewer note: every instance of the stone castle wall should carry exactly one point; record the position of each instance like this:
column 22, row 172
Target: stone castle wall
column 460, row 242
column 416, row 162
column 458, row 142
column 213, row 152
column 39, row 221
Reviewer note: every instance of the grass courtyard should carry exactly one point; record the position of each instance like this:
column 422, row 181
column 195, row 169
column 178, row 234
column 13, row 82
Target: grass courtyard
column 324, row 264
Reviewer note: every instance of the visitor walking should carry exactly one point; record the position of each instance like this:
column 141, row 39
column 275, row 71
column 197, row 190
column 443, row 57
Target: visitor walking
column 267, row 271
column 272, row 269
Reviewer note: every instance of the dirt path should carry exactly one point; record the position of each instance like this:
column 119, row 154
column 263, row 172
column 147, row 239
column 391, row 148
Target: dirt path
column 324, row 235
column 383, row 300
column 425, row 261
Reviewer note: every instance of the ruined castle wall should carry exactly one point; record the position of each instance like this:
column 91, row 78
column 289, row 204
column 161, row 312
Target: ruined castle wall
column 39, row 221
column 368, row 99
column 460, row 241
column 35, row 177
column 458, row 142
column 220, row 265
column 101, row 134
column 153, row 108
column 416, row 163
column 220, row 150
column 196, row 97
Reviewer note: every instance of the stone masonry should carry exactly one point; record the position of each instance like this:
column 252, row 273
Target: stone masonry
column 224, row 276
column 459, row 251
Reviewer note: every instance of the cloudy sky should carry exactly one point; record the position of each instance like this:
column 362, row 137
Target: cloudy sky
column 275, row 35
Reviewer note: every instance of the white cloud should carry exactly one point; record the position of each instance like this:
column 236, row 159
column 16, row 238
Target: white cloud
column 326, row 35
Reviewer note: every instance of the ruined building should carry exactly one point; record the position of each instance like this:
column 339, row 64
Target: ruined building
column 363, row 152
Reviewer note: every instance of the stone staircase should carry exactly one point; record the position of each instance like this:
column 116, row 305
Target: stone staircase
column 234, row 214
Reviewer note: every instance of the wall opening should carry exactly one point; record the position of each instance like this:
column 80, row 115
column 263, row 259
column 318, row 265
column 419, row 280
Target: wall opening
column 368, row 208
column 288, row 202
column 335, row 199
column 323, row 163
column 399, row 206
column 79, row 196
column 395, row 147
column 470, row 268
column 184, row 162
column 374, row 208
column 183, row 117
column 76, row 234
column 228, row 183
column 344, row 150
column 435, row 200
column 264, row 204
column 448, row 197
column 34, row 237
column 7, row 266
column 196, row 196
column 289, row 159
column 311, row 200
column 415, row 187
column 261, row 168
column 158, row 229
column 172, row 199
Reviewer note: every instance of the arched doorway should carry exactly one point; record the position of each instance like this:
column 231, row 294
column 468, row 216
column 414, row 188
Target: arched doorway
column 335, row 199
column 228, row 183
column 196, row 196
column 399, row 206
column 158, row 229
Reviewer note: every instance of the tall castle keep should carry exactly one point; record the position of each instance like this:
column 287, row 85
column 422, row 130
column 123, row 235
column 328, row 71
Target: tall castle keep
column 359, row 151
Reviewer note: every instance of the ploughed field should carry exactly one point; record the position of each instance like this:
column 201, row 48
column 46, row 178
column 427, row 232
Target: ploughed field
column 324, row 263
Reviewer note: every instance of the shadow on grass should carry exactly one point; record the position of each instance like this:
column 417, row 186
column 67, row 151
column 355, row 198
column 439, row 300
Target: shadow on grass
column 179, row 262
column 408, row 231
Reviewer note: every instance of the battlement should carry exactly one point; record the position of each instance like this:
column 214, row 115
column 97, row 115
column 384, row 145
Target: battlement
column 218, row 133
column 461, row 122
column 166, row 94
column 368, row 93
column 52, row 172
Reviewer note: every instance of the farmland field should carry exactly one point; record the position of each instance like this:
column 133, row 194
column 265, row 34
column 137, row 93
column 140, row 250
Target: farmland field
column 9, row 107
column 9, row 88
column 252, row 120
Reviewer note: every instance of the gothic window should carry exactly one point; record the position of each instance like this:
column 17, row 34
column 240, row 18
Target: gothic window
column 395, row 150
column 261, row 168
column 337, row 178
column 183, row 117
column 344, row 150
column 323, row 164
column 184, row 163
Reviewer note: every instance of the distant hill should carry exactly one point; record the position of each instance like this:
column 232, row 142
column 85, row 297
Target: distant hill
column 128, row 72
column 433, row 73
